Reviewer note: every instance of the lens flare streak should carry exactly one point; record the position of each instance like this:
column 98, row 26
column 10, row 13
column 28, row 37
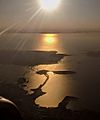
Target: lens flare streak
column 35, row 14
column 8, row 28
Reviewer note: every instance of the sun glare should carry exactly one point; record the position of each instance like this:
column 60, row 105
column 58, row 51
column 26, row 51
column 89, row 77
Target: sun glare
column 49, row 5
column 50, row 38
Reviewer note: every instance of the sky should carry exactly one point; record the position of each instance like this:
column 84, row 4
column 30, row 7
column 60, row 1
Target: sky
column 70, row 15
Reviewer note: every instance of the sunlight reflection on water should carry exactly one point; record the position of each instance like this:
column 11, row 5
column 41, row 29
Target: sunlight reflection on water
column 49, row 42
column 58, row 86
column 83, row 84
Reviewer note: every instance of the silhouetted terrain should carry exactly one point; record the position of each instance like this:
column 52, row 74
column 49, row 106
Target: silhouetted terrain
column 41, row 72
column 30, row 58
column 31, row 111
column 27, row 102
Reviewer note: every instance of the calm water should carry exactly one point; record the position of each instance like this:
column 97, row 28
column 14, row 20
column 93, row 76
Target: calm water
column 85, row 84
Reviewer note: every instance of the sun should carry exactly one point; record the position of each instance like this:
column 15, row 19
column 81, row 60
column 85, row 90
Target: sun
column 49, row 5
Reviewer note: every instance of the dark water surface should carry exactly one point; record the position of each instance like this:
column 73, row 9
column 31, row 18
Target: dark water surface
column 83, row 59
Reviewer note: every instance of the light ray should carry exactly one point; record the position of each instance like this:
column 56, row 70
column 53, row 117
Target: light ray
column 35, row 14
column 8, row 28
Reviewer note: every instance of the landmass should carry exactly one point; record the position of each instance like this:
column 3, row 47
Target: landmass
column 26, row 103
column 30, row 58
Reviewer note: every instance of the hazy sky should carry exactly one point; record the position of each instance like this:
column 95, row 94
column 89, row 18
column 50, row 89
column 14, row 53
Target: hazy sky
column 71, row 14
